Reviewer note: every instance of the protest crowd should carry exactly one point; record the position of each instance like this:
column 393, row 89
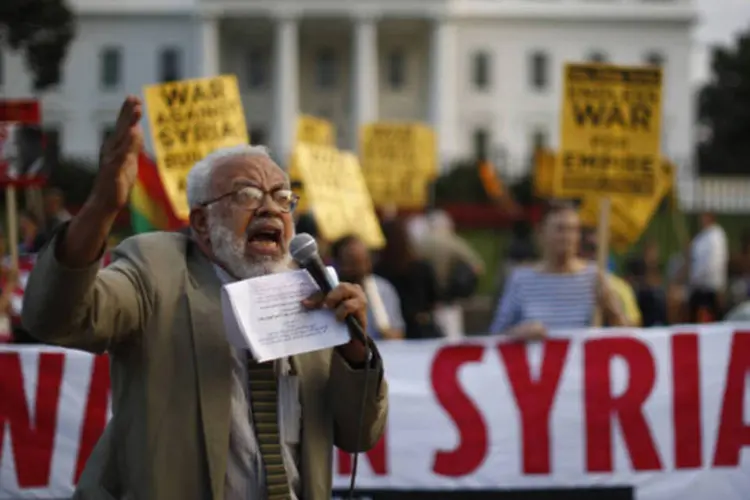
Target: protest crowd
column 426, row 273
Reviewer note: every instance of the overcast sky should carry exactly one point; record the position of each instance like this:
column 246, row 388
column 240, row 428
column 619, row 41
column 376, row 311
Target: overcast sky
column 720, row 21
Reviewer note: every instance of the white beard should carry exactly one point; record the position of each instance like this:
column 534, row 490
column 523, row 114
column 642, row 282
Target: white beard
column 230, row 251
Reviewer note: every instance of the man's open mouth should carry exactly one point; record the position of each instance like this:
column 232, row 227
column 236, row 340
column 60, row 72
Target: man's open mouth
column 265, row 240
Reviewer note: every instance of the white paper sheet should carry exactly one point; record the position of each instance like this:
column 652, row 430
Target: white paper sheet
column 265, row 315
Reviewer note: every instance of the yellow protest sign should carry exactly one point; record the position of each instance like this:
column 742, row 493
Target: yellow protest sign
column 629, row 216
column 610, row 131
column 544, row 173
column 398, row 191
column 189, row 119
column 399, row 160
column 310, row 130
column 405, row 147
column 335, row 187
column 313, row 130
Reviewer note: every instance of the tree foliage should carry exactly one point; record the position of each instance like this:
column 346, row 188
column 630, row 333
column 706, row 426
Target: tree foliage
column 724, row 112
column 42, row 30
column 461, row 184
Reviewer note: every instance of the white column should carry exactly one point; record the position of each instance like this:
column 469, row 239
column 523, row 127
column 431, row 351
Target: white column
column 286, row 86
column 444, row 89
column 364, row 76
column 208, row 49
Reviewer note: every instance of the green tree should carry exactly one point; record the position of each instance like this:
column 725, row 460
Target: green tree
column 724, row 112
column 42, row 30
column 461, row 184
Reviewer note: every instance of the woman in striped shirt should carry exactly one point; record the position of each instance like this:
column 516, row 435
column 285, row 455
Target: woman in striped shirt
column 559, row 293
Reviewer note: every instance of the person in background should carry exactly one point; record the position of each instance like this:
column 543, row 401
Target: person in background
column 738, row 287
column 55, row 212
column 418, row 226
column 589, row 248
column 353, row 262
column 388, row 212
column 560, row 292
column 8, row 284
column 413, row 278
column 621, row 289
column 306, row 224
column 521, row 248
column 651, row 298
column 652, row 263
column 707, row 281
column 457, row 269
column 739, row 313
column 32, row 238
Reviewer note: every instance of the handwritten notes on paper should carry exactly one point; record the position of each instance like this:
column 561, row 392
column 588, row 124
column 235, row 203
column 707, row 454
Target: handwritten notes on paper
column 265, row 315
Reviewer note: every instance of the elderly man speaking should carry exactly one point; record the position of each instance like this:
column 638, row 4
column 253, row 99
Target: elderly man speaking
column 192, row 417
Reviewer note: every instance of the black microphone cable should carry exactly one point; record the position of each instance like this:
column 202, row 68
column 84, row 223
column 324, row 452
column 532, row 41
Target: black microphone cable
column 361, row 424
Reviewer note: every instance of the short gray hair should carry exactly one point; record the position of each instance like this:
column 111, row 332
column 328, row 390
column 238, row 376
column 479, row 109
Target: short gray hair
column 199, row 177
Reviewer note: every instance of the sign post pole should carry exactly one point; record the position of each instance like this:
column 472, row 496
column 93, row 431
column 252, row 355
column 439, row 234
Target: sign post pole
column 602, row 249
column 14, row 162
column 11, row 214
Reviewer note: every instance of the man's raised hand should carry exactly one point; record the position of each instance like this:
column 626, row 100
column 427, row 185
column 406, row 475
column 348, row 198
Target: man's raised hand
column 118, row 158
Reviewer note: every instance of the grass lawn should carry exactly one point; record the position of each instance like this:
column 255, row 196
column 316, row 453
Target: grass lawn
column 490, row 244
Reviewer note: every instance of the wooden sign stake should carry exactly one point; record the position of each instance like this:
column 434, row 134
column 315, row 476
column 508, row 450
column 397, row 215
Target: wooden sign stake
column 602, row 249
column 11, row 211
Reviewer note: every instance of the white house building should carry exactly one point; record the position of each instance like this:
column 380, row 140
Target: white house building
column 486, row 73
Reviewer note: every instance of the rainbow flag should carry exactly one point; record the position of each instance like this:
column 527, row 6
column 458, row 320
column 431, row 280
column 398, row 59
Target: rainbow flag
column 150, row 209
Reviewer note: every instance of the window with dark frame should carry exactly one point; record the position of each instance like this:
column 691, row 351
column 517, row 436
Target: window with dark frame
column 539, row 66
column 655, row 59
column 257, row 68
column 481, row 70
column 170, row 64
column 539, row 140
column 110, row 69
column 598, row 57
column 396, row 69
column 325, row 65
column 481, row 141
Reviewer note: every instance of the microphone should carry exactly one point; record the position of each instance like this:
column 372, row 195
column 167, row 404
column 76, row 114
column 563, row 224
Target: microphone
column 304, row 251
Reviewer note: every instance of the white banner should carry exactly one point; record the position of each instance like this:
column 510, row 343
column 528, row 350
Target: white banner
column 643, row 414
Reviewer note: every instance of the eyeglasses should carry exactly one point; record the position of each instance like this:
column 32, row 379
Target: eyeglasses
column 251, row 198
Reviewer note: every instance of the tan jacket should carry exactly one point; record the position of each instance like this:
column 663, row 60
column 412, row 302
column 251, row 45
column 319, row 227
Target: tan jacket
column 157, row 310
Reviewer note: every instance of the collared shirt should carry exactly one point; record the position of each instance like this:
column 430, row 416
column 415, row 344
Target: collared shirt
column 709, row 255
column 245, row 479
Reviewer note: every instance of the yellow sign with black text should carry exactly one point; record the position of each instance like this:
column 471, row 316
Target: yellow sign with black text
column 610, row 131
column 310, row 130
column 336, row 189
column 313, row 130
column 189, row 119
column 629, row 216
column 399, row 160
